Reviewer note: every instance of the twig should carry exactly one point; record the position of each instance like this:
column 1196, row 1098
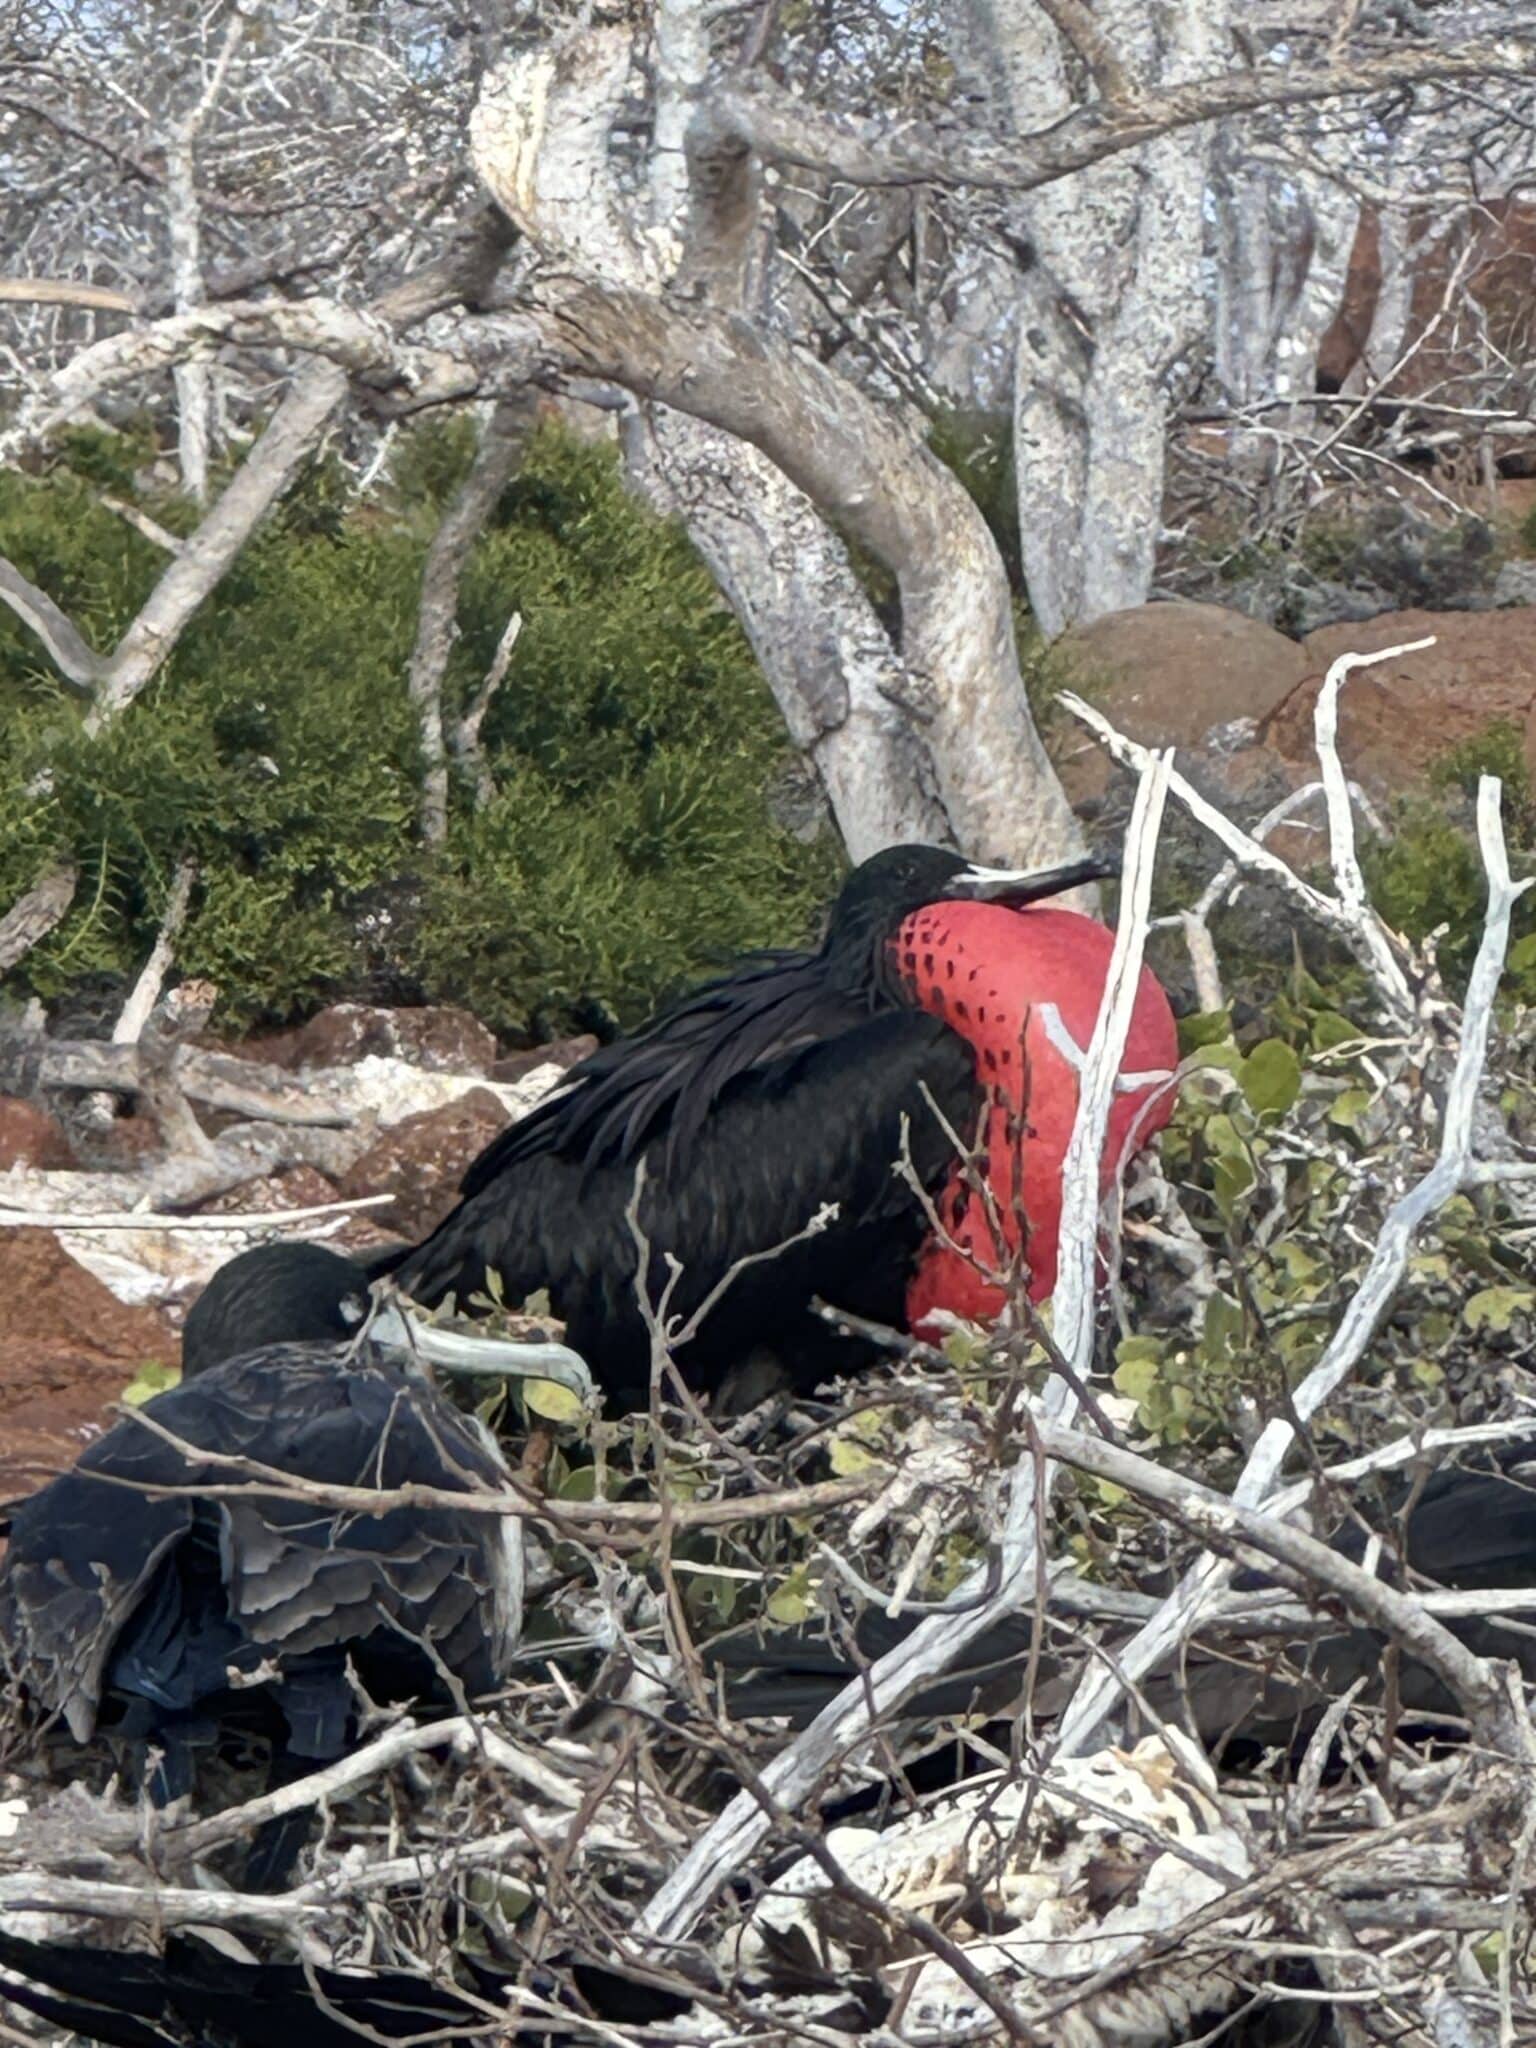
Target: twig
column 1383, row 1275
column 149, row 1219
column 145, row 994
column 1256, row 859
column 466, row 737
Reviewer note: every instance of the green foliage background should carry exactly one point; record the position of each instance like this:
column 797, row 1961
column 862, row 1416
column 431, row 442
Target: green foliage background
column 630, row 845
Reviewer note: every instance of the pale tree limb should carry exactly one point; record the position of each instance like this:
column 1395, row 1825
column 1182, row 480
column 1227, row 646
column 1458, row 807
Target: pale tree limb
column 860, row 464
column 1472, row 1681
column 929, row 739
column 362, row 342
column 33, row 916
column 1248, row 855
column 63, row 291
column 136, row 1012
column 66, row 647
column 193, row 379
column 1105, row 66
column 864, row 151
column 1348, row 880
column 1453, row 1168
column 141, row 522
column 149, row 1219
column 845, row 1725
column 466, row 735
column 503, row 437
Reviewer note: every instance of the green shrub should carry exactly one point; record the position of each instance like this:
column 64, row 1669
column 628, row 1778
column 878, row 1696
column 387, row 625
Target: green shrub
column 1430, row 873
column 633, row 743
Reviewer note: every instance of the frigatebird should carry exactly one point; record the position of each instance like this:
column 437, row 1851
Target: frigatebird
column 789, row 1089
column 137, row 1599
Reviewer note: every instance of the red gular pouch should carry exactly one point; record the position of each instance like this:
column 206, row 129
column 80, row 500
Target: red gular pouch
column 1023, row 988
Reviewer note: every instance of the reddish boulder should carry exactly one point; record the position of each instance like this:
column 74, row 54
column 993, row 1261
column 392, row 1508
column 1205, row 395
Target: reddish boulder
column 301, row 1187
column 440, row 1039
column 29, row 1136
column 68, row 1349
column 1195, row 676
column 1397, row 720
column 421, row 1160
column 564, row 1053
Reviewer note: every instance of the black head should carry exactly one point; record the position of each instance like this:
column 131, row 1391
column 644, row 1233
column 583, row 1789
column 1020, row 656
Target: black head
column 276, row 1294
column 885, row 889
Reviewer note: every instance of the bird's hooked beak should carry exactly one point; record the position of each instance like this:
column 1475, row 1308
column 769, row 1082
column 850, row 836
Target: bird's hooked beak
column 1014, row 887
column 488, row 1357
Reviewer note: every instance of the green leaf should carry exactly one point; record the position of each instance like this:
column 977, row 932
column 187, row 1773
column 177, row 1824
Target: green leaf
column 1330, row 1029
column 151, row 1379
column 1348, row 1110
column 1205, row 1027
column 1230, row 1181
column 580, row 1483
column 1270, row 1077
column 1136, row 1377
column 1205, row 1058
column 791, row 1601
column 1493, row 1309
column 554, row 1402
column 848, row 1457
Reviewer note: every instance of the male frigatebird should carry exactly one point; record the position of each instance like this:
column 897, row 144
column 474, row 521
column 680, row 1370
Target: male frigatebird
column 136, row 1601
column 795, row 1083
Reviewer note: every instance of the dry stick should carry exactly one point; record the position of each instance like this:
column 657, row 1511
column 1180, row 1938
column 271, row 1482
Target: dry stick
column 603, row 1520
column 939, row 1638
column 1383, row 1275
column 1473, row 1681
column 149, row 1219
column 1250, row 856
column 466, row 735
column 33, row 916
column 503, row 436
column 136, row 1012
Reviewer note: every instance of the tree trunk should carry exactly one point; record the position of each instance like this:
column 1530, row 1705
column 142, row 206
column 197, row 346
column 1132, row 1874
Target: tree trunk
column 1116, row 300
column 930, row 736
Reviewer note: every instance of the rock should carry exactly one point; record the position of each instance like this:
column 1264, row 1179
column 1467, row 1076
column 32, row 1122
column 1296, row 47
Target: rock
column 1195, row 676
column 1167, row 674
column 297, row 1187
column 421, row 1161
column 562, row 1053
column 438, row 1039
column 1515, row 584
column 29, row 1136
column 1396, row 721
column 67, row 1350
column 1287, row 595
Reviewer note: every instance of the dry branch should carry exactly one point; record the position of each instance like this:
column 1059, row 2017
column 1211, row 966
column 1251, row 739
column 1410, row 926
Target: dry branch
column 33, row 916
column 1453, row 1168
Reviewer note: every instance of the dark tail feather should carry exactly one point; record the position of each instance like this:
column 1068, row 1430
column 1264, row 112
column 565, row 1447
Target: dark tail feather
column 192, row 1993
column 1468, row 1529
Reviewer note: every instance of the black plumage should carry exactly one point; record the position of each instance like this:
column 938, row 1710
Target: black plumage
column 194, row 1994
column 147, row 1613
column 753, row 1103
